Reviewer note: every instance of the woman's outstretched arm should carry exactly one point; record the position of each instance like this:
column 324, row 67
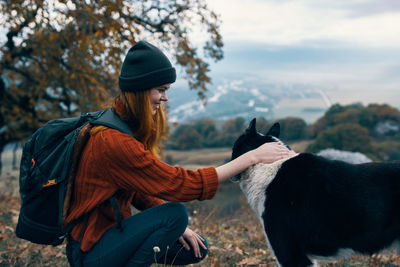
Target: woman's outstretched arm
column 267, row 153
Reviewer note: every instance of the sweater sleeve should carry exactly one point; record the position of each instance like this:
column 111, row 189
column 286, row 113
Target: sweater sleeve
column 132, row 167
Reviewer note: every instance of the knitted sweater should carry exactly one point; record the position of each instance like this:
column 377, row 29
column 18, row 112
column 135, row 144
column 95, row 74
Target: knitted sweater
column 113, row 161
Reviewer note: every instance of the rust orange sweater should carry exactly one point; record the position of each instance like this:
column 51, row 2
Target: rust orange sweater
column 113, row 161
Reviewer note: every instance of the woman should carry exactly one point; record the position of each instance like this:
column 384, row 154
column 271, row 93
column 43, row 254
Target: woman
column 115, row 162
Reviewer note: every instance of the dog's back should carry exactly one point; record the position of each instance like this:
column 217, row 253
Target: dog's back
column 319, row 206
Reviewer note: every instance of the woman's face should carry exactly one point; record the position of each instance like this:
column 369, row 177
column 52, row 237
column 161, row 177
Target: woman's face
column 157, row 95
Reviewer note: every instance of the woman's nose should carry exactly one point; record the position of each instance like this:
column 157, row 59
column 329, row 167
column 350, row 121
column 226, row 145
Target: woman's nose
column 164, row 97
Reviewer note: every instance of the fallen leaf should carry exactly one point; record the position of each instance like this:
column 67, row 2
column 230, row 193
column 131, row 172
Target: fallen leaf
column 247, row 262
column 15, row 215
column 239, row 250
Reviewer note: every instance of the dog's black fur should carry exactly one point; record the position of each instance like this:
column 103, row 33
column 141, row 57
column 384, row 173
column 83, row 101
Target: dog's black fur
column 316, row 206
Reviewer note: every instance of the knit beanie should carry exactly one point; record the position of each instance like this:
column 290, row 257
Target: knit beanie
column 145, row 67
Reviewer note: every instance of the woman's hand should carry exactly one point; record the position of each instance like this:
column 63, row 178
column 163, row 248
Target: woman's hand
column 194, row 240
column 270, row 152
column 266, row 153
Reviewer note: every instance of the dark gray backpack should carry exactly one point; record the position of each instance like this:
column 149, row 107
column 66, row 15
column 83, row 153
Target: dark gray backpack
column 45, row 179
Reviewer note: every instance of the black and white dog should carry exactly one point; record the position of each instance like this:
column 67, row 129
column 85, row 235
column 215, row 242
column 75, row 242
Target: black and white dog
column 313, row 207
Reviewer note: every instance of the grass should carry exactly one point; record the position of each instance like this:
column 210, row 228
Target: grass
column 233, row 231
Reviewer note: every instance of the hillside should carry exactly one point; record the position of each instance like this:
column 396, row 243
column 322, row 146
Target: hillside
column 230, row 98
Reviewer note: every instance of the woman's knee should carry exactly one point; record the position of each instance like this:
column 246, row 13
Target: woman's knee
column 177, row 209
column 176, row 212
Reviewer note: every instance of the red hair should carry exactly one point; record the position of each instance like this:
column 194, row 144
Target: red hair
column 135, row 109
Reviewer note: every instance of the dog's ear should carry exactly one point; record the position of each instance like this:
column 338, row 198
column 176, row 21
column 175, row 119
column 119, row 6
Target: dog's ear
column 252, row 127
column 275, row 130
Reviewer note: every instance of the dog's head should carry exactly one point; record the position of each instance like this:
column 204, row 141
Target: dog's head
column 252, row 139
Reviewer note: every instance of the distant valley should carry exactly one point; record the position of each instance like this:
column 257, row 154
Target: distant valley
column 231, row 98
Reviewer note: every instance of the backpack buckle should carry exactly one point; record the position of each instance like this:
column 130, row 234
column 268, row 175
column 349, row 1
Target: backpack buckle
column 50, row 183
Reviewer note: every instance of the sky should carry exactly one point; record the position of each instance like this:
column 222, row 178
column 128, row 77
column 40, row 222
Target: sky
column 342, row 45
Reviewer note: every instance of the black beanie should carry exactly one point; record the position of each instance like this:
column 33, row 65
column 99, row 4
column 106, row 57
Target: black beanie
column 145, row 67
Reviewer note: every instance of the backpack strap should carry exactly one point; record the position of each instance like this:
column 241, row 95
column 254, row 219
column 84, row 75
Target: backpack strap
column 117, row 212
column 110, row 119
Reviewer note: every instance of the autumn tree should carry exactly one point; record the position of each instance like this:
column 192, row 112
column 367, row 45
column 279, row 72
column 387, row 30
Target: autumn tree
column 63, row 57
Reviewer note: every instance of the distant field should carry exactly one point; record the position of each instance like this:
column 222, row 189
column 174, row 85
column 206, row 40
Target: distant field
column 198, row 158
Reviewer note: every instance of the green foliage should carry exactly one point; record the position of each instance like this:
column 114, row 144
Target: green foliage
column 368, row 117
column 346, row 136
column 373, row 130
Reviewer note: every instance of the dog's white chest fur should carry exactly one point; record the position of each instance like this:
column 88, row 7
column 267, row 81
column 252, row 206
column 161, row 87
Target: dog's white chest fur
column 255, row 180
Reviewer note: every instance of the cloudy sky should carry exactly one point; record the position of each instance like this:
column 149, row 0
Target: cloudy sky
column 343, row 44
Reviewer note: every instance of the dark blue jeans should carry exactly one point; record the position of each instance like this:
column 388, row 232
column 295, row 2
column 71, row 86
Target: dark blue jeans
column 160, row 226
